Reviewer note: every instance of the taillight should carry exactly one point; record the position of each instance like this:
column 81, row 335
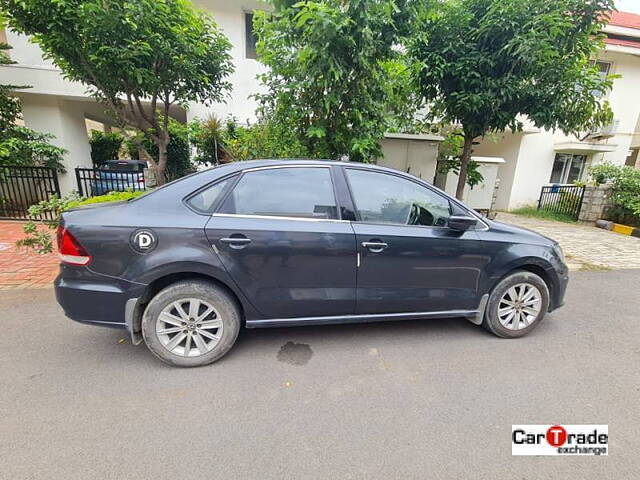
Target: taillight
column 140, row 179
column 69, row 248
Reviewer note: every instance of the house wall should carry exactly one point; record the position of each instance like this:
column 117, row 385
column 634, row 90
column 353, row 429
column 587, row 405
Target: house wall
column 229, row 15
column 417, row 157
column 530, row 156
column 625, row 102
column 66, row 121
column 507, row 146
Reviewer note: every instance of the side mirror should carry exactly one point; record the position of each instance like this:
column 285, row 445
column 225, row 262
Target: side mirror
column 462, row 222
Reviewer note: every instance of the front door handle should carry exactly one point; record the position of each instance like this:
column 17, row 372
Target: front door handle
column 375, row 246
column 236, row 242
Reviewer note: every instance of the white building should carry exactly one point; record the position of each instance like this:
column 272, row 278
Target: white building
column 537, row 157
column 62, row 108
column 532, row 158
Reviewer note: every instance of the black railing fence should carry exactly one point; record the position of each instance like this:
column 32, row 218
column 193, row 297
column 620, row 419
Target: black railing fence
column 21, row 187
column 562, row 199
column 94, row 181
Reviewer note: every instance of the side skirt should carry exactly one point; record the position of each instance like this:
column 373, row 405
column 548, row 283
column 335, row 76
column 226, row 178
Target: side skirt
column 367, row 318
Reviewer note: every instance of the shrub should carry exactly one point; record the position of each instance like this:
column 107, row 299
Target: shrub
column 104, row 146
column 625, row 191
column 178, row 150
column 208, row 138
column 24, row 147
column 38, row 233
column 264, row 139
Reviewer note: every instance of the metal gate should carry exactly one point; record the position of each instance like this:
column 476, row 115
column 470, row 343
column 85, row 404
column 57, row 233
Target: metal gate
column 562, row 199
column 21, row 187
column 95, row 181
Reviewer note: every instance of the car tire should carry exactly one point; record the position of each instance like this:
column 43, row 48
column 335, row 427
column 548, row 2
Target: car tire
column 191, row 323
column 516, row 305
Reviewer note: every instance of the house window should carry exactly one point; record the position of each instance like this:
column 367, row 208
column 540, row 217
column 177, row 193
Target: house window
column 250, row 36
column 603, row 68
column 568, row 168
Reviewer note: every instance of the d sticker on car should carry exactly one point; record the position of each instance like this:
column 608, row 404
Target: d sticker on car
column 143, row 241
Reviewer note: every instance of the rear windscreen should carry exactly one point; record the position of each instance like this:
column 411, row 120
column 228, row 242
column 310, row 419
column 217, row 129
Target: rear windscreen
column 131, row 167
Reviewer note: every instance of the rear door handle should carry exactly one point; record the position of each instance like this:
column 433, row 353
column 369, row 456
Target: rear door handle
column 236, row 242
column 375, row 247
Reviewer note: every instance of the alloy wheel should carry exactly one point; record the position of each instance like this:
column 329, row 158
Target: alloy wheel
column 520, row 306
column 189, row 327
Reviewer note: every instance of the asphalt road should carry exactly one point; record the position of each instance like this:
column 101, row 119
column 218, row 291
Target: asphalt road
column 426, row 400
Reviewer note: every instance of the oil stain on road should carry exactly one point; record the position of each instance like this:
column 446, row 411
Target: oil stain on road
column 295, row 353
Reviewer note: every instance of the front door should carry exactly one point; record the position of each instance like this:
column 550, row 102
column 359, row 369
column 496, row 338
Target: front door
column 279, row 236
column 410, row 261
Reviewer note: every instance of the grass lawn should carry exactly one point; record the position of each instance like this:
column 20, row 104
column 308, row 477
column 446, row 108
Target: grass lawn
column 532, row 211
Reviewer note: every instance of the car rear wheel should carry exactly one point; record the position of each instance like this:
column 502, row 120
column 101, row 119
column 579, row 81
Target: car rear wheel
column 517, row 304
column 191, row 323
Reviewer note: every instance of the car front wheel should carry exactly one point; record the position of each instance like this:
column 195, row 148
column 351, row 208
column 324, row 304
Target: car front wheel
column 517, row 304
column 191, row 323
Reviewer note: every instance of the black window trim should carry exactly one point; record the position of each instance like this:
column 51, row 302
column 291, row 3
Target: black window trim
column 228, row 191
column 450, row 200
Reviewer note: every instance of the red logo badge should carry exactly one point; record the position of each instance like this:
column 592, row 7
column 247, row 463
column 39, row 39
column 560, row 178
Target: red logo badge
column 556, row 436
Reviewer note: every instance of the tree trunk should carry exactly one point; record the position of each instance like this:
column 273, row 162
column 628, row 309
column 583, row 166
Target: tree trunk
column 464, row 164
column 161, row 166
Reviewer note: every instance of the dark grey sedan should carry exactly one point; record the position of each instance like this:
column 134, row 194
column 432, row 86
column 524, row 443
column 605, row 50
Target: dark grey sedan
column 279, row 243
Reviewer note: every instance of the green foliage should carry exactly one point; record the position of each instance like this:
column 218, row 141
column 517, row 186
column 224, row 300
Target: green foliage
column 28, row 148
column 486, row 63
column 544, row 214
column 105, row 146
column 625, row 191
column 136, row 57
column 38, row 233
column 328, row 80
column 178, row 150
column 449, row 154
column 604, row 172
column 265, row 139
column 9, row 104
column 217, row 143
column 207, row 138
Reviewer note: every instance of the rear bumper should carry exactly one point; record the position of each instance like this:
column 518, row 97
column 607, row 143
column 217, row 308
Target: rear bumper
column 101, row 303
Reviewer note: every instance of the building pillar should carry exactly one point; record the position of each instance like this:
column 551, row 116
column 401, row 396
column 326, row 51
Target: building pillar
column 64, row 120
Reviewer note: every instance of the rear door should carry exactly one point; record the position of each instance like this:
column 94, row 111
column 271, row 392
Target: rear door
column 279, row 235
column 410, row 260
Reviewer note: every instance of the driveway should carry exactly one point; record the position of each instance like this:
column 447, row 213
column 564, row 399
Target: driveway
column 585, row 246
column 413, row 400
column 20, row 268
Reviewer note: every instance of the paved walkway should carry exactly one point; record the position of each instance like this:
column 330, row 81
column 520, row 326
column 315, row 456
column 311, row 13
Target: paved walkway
column 586, row 247
column 21, row 268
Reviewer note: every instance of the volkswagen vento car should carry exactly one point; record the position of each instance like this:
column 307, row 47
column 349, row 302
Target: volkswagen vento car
column 279, row 243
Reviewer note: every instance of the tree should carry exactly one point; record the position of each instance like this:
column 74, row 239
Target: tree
column 10, row 108
column 327, row 78
column 138, row 58
column 20, row 145
column 104, row 146
column 484, row 64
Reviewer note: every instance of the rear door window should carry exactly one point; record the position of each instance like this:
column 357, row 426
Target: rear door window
column 205, row 200
column 299, row 192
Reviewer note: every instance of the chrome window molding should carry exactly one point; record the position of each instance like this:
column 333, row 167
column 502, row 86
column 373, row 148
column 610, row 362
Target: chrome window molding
column 276, row 217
